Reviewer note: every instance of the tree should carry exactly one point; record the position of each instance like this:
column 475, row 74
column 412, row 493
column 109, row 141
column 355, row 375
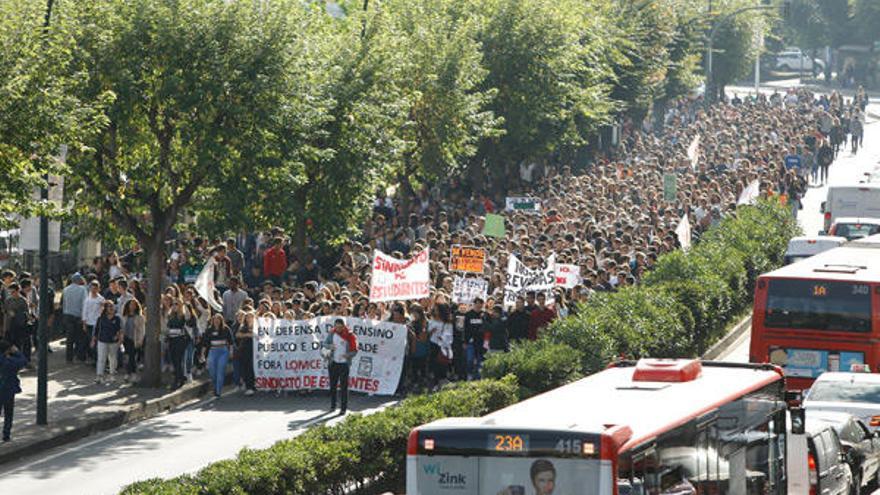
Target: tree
column 734, row 47
column 447, row 109
column 548, row 60
column 196, row 85
column 39, row 111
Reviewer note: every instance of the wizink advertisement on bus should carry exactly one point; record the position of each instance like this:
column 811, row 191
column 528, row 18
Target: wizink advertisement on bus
column 442, row 475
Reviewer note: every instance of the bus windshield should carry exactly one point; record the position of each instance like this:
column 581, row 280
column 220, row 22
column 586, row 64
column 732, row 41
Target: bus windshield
column 818, row 305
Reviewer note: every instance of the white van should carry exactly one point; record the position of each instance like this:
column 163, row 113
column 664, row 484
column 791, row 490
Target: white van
column 862, row 200
column 805, row 246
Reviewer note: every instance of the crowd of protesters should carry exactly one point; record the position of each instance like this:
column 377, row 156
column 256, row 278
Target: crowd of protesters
column 609, row 217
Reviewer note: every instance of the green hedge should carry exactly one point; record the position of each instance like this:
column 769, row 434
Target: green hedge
column 330, row 459
column 684, row 304
column 552, row 364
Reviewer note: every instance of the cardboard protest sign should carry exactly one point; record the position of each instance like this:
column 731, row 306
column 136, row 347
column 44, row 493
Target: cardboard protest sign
column 518, row 203
column 522, row 279
column 567, row 276
column 400, row 280
column 287, row 354
column 670, row 187
column 465, row 290
column 467, row 259
column 493, row 226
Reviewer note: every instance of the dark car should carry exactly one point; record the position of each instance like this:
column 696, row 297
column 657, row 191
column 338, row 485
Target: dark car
column 861, row 446
column 827, row 469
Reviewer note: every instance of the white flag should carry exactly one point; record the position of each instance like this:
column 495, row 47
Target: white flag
column 750, row 193
column 683, row 231
column 693, row 152
column 205, row 284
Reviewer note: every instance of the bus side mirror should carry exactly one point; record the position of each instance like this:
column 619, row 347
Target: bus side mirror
column 798, row 420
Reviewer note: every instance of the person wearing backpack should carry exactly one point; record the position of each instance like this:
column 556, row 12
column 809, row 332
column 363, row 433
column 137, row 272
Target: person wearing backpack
column 11, row 362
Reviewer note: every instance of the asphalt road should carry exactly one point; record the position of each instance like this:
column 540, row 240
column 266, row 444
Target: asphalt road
column 172, row 444
column 847, row 169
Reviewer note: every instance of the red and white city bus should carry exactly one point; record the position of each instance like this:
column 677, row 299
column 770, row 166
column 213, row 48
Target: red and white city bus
column 651, row 427
column 819, row 314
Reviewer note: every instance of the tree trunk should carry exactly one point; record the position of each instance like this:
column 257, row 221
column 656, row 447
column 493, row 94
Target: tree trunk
column 155, row 252
column 407, row 193
column 299, row 232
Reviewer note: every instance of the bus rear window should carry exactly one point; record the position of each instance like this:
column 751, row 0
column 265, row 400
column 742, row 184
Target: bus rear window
column 818, row 305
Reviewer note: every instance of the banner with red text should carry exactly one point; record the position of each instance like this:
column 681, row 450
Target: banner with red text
column 287, row 354
column 567, row 276
column 400, row 280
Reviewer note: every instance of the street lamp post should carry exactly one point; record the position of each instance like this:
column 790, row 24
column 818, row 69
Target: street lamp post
column 45, row 304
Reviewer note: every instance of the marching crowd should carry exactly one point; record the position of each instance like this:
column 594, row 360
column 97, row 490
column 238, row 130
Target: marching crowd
column 612, row 218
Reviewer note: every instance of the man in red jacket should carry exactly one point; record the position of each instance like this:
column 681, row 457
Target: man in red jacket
column 274, row 262
column 541, row 316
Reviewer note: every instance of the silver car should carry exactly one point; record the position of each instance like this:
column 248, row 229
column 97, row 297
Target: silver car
column 854, row 393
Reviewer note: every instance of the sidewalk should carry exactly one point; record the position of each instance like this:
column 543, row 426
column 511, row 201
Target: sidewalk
column 79, row 407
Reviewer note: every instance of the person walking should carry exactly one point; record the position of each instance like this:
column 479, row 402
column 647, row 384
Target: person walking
column 106, row 339
column 825, row 157
column 93, row 305
column 72, row 299
column 218, row 339
column 11, row 362
column 133, row 332
column 342, row 347
column 245, row 351
column 178, row 320
column 17, row 314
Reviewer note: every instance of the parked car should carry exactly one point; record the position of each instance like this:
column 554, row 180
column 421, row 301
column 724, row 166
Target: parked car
column 854, row 228
column 828, row 472
column 796, row 60
column 854, row 393
column 860, row 444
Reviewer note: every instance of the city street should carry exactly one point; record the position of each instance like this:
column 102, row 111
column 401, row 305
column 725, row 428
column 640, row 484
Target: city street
column 172, row 444
column 847, row 169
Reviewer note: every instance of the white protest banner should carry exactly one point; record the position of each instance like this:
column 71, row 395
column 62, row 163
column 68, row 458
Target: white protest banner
column 287, row 354
column 683, row 232
column 567, row 276
column 204, row 284
column 693, row 152
column 522, row 279
column 465, row 290
column 519, row 203
column 400, row 280
column 750, row 193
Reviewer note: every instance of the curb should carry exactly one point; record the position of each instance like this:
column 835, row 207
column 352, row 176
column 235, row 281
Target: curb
column 732, row 336
column 70, row 430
